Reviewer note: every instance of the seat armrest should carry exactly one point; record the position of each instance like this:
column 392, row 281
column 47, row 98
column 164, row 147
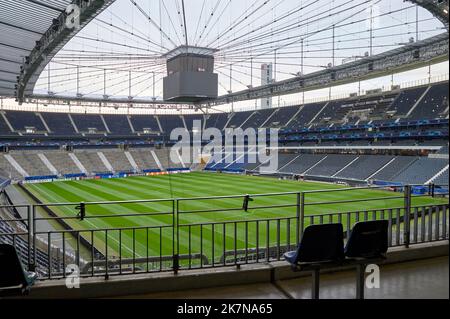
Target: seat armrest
column 30, row 277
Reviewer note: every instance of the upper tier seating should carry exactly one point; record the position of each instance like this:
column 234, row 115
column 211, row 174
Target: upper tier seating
column 406, row 99
column 362, row 110
column 144, row 122
column 21, row 120
column 282, row 116
column 433, row 103
column 239, row 118
column 87, row 122
column 328, row 113
column 258, row 119
column 378, row 111
column 4, row 128
column 217, row 120
column 189, row 120
column 306, row 115
column 118, row 124
column 59, row 123
column 170, row 122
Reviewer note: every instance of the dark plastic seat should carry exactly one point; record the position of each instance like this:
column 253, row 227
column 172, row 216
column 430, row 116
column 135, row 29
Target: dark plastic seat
column 319, row 243
column 13, row 277
column 322, row 247
column 368, row 240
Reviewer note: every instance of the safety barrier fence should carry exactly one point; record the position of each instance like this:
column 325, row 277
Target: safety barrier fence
column 143, row 236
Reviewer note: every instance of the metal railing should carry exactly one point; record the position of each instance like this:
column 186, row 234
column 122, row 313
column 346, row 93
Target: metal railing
column 143, row 236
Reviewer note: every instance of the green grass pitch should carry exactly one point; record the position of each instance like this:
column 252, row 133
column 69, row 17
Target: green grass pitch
column 195, row 238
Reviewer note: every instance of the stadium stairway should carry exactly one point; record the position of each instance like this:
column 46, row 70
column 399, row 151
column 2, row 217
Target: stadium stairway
column 131, row 161
column 440, row 176
column 48, row 164
column 105, row 162
column 421, row 171
column 62, row 162
column 143, row 158
column 16, row 165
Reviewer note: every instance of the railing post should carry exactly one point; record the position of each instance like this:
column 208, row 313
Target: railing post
column 300, row 215
column 406, row 218
column 360, row 280
column 33, row 216
column 176, row 237
column 31, row 266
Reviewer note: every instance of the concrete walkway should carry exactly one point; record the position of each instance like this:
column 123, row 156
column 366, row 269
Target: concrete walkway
column 428, row 278
column 19, row 198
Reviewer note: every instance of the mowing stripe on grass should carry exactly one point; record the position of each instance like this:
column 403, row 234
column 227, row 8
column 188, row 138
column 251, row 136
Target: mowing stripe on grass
column 205, row 185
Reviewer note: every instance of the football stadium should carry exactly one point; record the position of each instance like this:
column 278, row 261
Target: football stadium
column 271, row 149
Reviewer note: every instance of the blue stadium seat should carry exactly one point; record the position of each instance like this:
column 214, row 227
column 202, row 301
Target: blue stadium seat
column 321, row 247
column 368, row 240
column 319, row 243
column 13, row 277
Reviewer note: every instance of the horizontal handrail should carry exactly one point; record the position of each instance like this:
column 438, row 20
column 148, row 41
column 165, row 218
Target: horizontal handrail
column 377, row 210
column 15, row 206
column 232, row 209
column 237, row 221
column 137, row 201
column 352, row 200
column 66, row 231
column 103, row 216
column 373, row 187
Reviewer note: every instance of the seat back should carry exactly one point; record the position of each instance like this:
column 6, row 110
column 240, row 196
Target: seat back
column 368, row 239
column 321, row 243
column 11, row 271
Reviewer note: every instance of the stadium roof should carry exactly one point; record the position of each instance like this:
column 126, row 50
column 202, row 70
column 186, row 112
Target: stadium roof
column 410, row 56
column 439, row 8
column 22, row 23
column 30, row 36
column 31, row 33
